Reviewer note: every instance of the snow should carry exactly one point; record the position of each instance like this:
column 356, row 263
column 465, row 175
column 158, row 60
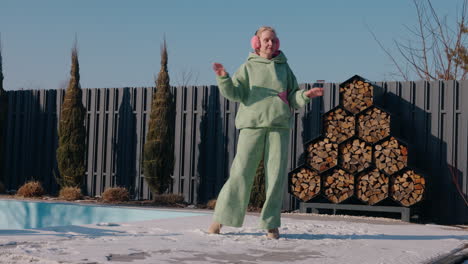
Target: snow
column 304, row 239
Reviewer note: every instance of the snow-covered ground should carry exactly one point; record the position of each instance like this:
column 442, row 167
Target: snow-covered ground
column 304, row 239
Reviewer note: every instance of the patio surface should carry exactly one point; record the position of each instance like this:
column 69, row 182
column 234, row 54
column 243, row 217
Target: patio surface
column 304, row 239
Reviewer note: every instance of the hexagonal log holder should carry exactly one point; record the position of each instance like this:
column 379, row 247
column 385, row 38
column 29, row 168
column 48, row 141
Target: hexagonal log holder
column 387, row 175
column 338, row 185
column 372, row 186
column 390, row 155
column 373, row 124
column 338, row 125
column 356, row 94
column 321, row 154
column 354, row 155
column 304, row 183
column 408, row 187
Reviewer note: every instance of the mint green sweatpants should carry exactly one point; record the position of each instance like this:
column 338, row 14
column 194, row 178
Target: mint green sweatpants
column 234, row 197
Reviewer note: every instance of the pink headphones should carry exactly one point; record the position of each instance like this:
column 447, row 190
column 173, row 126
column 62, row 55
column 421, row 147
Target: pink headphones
column 255, row 42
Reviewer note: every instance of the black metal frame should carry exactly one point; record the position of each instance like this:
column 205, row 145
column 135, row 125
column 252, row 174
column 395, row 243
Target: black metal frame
column 392, row 179
column 401, row 142
column 322, row 128
column 349, row 140
column 330, row 171
column 358, row 78
column 391, row 116
column 404, row 211
column 321, row 137
column 358, row 175
column 306, row 166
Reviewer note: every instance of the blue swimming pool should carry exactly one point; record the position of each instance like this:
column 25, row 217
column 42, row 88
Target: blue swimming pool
column 25, row 215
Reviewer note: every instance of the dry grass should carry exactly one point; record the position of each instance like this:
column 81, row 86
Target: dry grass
column 31, row 189
column 115, row 194
column 70, row 193
column 254, row 209
column 211, row 204
column 168, row 199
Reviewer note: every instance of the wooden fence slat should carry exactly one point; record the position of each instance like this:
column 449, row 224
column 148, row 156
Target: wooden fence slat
column 462, row 153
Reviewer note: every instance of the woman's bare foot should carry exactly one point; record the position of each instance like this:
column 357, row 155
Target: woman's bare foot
column 273, row 233
column 215, row 228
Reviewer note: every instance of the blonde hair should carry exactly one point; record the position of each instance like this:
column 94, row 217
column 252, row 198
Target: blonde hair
column 262, row 29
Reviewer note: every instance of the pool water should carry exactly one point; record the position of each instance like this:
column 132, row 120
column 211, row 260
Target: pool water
column 26, row 215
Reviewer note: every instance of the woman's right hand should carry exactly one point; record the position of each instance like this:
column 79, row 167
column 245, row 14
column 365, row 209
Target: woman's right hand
column 219, row 69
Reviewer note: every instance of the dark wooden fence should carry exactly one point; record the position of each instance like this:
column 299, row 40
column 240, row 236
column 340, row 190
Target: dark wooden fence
column 431, row 116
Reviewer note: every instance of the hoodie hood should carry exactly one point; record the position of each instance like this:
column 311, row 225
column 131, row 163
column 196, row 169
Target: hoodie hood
column 254, row 57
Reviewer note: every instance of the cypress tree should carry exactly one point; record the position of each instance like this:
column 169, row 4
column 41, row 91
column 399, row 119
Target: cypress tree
column 71, row 148
column 3, row 111
column 258, row 196
column 158, row 156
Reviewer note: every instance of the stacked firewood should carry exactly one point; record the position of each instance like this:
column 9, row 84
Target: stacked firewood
column 355, row 155
column 322, row 155
column 390, row 156
column 372, row 186
column 356, row 96
column 356, row 148
column 374, row 125
column 408, row 188
column 305, row 184
column 339, row 185
column 338, row 125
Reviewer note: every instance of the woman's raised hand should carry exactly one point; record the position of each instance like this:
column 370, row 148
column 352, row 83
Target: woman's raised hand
column 219, row 69
column 314, row 92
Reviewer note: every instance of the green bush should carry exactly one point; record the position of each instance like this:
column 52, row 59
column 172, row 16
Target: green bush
column 158, row 155
column 72, row 133
column 258, row 196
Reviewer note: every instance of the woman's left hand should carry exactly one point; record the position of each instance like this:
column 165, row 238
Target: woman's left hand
column 314, row 92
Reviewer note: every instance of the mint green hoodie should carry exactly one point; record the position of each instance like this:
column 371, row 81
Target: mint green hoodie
column 256, row 85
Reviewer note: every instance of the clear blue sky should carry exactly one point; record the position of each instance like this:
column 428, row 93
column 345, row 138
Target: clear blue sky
column 119, row 41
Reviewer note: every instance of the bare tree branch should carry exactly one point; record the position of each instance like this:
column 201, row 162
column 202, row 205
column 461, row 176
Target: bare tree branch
column 186, row 77
column 392, row 58
column 434, row 50
column 422, row 35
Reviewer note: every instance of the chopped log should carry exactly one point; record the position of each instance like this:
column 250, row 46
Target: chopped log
column 338, row 125
column 390, row 156
column 305, row 184
column 356, row 155
column 339, row 186
column 374, row 125
column 356, row 96
column 372, row 187
column 322, row 155
column 408, row 188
